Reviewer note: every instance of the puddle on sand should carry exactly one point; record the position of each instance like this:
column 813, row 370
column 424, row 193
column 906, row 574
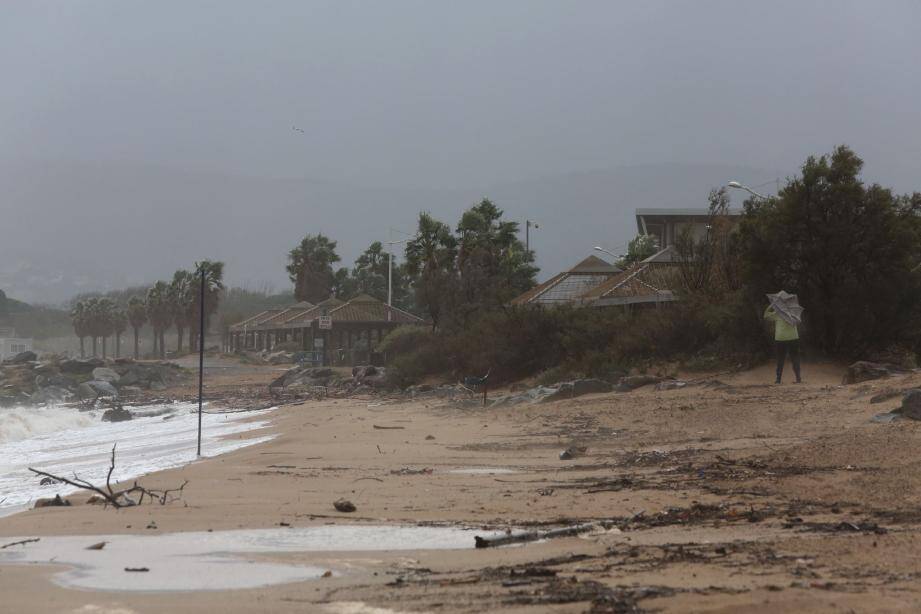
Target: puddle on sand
column 216, row 561
column 482, row 470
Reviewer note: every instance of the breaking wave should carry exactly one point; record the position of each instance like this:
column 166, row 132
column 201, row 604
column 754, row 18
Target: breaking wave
column 18, row 423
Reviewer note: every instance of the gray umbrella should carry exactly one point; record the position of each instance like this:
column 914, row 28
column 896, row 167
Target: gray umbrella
column 787, row 306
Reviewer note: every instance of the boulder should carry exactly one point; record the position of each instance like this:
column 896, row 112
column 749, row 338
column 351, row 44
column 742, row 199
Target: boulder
column 57, row 501
column 632, row 382
column 671, row 384
column 106, row 375
column 863, row 370
column 96, row 388
column 51, row 394
column 22, row 358
column 911, row 405
column 80, row 366
column 116, row 414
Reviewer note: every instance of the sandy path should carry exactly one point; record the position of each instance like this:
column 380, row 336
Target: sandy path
column 746, row 467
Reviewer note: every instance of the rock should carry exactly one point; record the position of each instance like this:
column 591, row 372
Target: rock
column 885, row 395
column 572, row 452
column 96, row 388
column 47, row 481
column 81, row 366
column 57, row 501
column 632, row 382
column 911, row 405
column 862, row 371
column 116, row 414
column 278, row 358
column 22, row 358
column 130, row 391
column 344, row 505
column 51, row 394
column 363, row 371
column 570, row 390
column 106, row 375
column 671, row 384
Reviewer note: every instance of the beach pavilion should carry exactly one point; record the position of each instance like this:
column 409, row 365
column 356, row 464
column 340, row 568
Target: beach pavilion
column 332, row 332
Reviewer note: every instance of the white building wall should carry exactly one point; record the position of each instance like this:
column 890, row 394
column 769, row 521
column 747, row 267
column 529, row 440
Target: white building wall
column 10, row 346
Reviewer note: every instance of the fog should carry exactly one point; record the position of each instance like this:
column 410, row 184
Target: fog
column 138, row 137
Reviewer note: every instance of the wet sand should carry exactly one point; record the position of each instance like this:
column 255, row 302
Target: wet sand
column 729, row 495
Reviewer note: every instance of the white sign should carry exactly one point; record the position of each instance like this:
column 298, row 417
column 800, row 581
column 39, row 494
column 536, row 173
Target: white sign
column 326, row 322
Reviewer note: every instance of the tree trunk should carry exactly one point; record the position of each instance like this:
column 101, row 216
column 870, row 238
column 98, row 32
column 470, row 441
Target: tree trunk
column 94, row 346
column 82, row 349
column 104, row 340
column 136, row 331
column 162, row 344
column 179, row 331
column 155, row 345
column 118, row 345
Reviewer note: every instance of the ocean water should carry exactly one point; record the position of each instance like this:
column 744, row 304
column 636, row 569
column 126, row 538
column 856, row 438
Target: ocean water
column 64, row 441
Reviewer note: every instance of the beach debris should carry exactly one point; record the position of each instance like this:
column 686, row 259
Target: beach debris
column 532, row 536
column 327, row 574
column 387, row 428
column 95, row 500
column 863, row 370
column 152, row 525
column 671, row 384
column 572, row 452
column 344, row 505
column 48, row 481
column 137, row 569
column 429, row 437
column 57, row 501
column 97, row 546
column 116, row 414
column 116, row 498
column 21, row 542
column 409, row 471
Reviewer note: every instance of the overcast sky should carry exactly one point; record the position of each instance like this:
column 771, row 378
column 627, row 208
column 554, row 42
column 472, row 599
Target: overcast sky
column 449, row 95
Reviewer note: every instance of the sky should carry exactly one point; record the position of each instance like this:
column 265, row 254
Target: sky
column 348, row 117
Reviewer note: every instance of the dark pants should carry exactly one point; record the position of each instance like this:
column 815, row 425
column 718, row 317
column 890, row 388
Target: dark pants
column 784, row 348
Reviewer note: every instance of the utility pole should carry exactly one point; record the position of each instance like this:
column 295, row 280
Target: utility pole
column 201, row 352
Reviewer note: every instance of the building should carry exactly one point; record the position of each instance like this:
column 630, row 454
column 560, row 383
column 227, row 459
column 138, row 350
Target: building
column 666, row 225
column 10, row 344
column 330, row 332
column 570, row 286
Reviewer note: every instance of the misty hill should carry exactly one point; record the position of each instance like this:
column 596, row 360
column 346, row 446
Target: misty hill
column 80, row 227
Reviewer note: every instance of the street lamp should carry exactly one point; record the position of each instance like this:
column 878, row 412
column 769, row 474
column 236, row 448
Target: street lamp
column 612, row 254
column 527, row 233
column 739, row 186
column 391, row 243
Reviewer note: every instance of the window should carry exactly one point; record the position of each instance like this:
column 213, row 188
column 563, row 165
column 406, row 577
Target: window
column 17, row 348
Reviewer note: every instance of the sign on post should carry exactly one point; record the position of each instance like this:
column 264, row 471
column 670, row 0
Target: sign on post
column 325, row 322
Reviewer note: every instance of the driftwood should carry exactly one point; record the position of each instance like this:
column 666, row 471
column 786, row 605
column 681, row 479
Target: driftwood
column 532, row 536
column 123, row 497
column 20, row 543
column 387, row 428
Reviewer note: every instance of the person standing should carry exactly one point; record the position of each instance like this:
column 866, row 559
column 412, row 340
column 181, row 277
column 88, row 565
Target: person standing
column 786, row 342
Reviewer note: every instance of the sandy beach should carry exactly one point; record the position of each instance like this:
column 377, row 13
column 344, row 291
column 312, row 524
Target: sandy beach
column 727, row 495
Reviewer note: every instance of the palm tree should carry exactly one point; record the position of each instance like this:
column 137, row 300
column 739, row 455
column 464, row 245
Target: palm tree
column 160, row 314
column 137, row 316
column 119, row 324
column 214, row 285
column 91, row 305
column 181, row 294
column 79, row 317
column 310, row 268
column 104, row 320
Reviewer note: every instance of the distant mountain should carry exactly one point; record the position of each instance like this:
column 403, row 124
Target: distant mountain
column 77, row 227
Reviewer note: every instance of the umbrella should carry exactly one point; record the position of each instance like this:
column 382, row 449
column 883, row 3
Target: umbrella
column 787, row 306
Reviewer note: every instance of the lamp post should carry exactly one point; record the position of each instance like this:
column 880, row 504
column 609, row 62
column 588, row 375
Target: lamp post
column 391, row 243
column 739, row 186
column 527, row 233
column 609, row 253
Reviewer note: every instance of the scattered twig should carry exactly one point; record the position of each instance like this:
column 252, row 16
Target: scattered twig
column 387, row 428
column 375, row 479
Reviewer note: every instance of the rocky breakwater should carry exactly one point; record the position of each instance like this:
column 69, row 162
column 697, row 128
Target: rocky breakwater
column 26, row 380
column 309, row 381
